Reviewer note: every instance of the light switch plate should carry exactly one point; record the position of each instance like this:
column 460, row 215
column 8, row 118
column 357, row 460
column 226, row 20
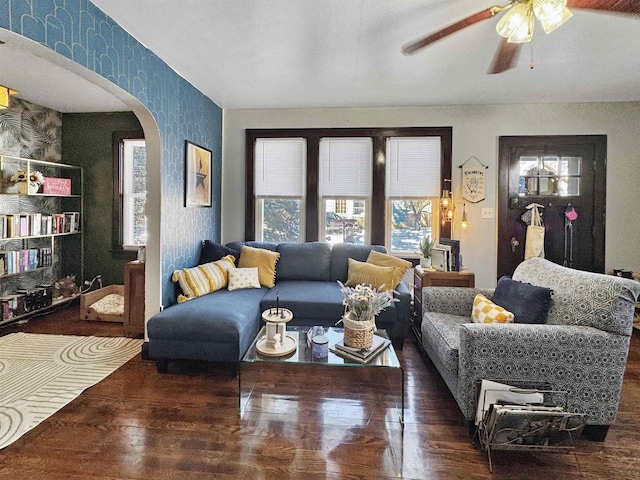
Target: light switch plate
column 487, row 213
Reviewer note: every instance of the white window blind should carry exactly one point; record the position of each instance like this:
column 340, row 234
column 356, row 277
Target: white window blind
column 413, row 167
column 345, row 167
column 280, row 167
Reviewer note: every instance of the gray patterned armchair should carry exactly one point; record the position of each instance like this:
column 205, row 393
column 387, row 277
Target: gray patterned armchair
column 582, row 348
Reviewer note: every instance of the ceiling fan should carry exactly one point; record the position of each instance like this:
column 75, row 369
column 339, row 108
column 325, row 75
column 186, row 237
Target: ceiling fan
column 517, row 24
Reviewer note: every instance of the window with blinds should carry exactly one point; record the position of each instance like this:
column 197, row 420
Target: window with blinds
column 279, row 183
column 345, row 186
column 352, row 185
column 412, row 186
column 133, row 158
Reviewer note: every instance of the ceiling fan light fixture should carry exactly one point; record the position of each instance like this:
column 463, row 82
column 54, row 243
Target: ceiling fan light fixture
column 552, row 21
column 514, row 19
column 525, row 32
column 548, row 7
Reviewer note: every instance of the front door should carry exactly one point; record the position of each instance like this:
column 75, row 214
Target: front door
column 562, row 174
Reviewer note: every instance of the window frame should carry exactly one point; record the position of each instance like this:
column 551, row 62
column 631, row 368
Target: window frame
column 117, row 224
column 313, row 209
column 259, row 200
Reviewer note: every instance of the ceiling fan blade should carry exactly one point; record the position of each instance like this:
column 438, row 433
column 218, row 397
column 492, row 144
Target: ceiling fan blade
column 506, row 57
column 410, row 48
column 620, row 6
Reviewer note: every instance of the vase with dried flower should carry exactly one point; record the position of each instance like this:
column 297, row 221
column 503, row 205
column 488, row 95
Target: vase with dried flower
column 361, row 305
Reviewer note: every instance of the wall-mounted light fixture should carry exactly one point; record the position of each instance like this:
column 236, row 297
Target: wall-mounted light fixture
column 446, row 205
column 5, row 96
column 465, row 226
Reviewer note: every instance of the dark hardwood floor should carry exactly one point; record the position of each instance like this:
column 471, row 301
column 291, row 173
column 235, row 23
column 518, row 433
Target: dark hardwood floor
column 310, row 423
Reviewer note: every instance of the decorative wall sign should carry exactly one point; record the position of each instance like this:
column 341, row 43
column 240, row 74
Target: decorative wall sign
column 197, row 176
column 473, row 180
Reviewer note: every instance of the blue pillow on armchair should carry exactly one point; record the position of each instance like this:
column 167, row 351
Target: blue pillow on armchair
column 528, row 303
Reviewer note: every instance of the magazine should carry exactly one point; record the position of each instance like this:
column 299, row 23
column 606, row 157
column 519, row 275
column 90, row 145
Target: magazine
column 491, row 392
column 547, row 428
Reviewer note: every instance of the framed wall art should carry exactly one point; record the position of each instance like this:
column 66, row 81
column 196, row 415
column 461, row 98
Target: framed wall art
column 197, row 176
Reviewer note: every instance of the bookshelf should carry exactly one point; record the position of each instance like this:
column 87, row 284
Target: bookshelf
column 41, row 215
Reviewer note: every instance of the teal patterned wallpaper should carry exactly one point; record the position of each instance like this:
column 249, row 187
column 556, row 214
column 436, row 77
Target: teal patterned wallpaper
column 81, row 32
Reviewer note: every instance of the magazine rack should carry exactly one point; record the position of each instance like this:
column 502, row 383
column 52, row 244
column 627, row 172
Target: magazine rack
column 541, row 426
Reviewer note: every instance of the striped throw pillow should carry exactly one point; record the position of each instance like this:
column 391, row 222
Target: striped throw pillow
column 203, row 279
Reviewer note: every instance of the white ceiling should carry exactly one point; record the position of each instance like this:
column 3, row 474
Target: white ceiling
column 346, row 53
column 40, row 81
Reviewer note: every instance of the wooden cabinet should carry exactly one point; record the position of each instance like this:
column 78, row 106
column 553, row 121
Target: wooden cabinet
column 134, row 299
column 422, row 278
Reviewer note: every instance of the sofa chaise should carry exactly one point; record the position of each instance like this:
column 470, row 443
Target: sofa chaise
column 221, row 325
column 582, row 348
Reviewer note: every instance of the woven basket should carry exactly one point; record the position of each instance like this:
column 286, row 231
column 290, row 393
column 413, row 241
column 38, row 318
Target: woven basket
column 358, row 334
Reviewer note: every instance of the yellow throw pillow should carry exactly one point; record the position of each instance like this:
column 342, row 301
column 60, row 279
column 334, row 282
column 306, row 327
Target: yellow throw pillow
column 380, row 278
column 203, row 279
column 485, row 311
column 265, row 260
column 383, row 260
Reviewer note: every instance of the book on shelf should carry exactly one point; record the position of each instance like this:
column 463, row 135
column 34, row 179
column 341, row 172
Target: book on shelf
column 72, row 221
column 439, row 259
column 18, row 261
column 455, row 262
column 360, row 354
column 38, row 224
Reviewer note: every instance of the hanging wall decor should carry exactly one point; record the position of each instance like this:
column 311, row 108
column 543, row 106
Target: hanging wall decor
column 197, row 176
column 473, row 180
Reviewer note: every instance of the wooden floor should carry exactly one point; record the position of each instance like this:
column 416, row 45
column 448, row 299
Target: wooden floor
column 308, row 424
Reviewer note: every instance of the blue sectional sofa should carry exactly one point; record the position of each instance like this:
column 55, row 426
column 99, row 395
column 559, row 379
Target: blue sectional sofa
column 220, row 326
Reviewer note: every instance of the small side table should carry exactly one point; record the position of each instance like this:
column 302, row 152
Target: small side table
column 434, row 278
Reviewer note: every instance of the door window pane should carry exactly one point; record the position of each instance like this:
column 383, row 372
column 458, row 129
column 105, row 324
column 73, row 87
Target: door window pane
column 570, row 165
column 550, row 176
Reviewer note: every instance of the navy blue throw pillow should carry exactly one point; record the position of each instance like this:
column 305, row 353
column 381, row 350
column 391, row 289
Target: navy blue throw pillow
column 212, row 252
column 528, row 303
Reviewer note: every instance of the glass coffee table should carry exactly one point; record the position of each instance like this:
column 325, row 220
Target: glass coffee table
column 254, row 364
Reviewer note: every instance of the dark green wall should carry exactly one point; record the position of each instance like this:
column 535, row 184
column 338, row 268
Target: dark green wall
column 87, row 142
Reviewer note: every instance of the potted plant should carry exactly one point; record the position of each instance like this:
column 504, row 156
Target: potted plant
column 426, row 245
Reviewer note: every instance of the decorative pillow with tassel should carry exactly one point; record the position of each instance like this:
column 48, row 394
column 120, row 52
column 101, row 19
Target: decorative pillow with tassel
column 264, row 260
column 203, row 279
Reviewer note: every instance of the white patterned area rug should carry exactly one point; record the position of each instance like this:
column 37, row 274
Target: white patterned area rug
column 40, row 374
